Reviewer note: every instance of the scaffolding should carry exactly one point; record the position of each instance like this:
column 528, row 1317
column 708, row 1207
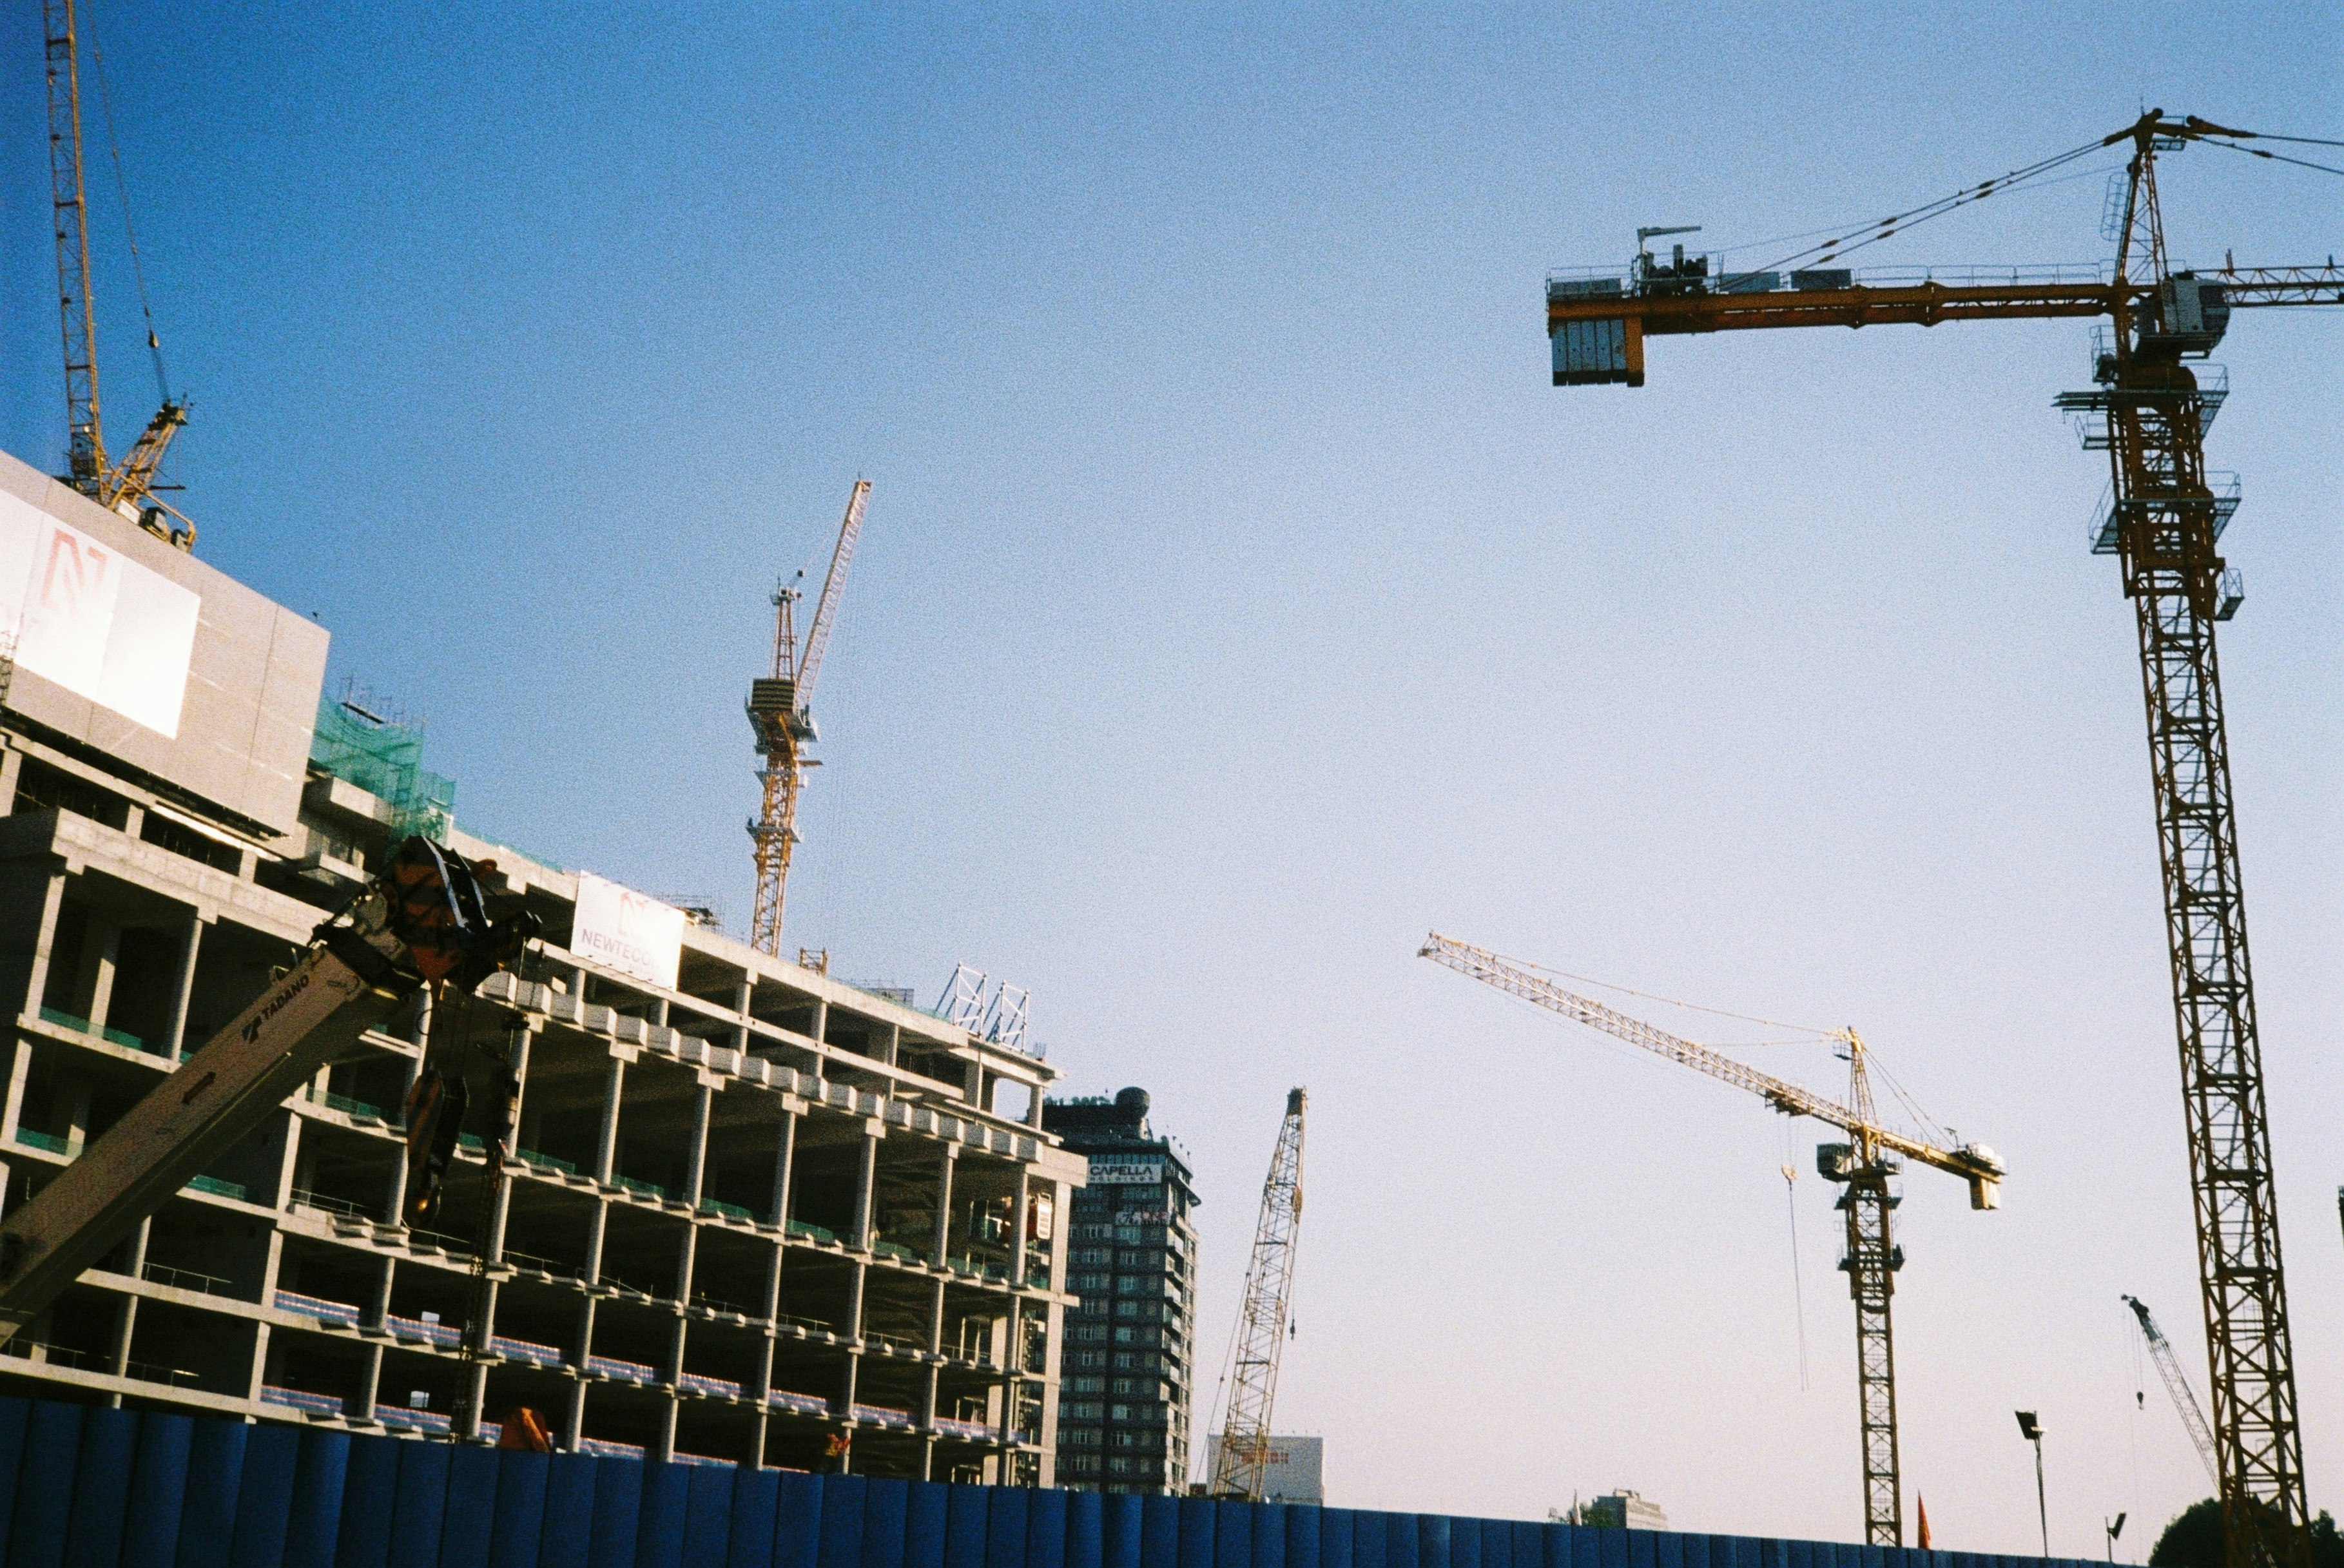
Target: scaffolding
column 384, row 758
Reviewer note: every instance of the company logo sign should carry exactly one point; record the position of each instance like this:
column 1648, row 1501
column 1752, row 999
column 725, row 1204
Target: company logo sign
column 627, row 931
column 1125, row 1173
column 87, row 618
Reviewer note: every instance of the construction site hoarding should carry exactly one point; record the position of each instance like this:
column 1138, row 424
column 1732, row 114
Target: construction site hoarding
column 628, row 931
column 138, row 651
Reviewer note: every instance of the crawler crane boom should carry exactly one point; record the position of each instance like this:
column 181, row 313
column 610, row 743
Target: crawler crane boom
column 1240, row 1466
column 2163, row 521
column 1863, row 1167
column 2169, row 1371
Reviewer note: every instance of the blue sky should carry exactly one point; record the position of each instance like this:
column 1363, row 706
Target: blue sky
column 1238, row 601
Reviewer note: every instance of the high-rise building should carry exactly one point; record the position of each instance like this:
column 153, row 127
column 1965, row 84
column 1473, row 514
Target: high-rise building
column 755, row 1215
column 1128, row 1371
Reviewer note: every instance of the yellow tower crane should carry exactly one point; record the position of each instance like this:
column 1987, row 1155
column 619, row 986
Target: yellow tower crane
column 128, row 486
column 1241, row 1463
column 1863, row 1167
column 2162, row 518
column 779, row 712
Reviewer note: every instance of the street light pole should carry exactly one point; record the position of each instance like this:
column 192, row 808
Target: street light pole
column 2032, row 1431
column 2115, row 1528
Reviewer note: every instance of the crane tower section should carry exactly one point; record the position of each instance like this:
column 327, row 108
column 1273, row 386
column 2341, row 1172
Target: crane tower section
column 2149, row 410
column 781, row 713
column 1240, row 1466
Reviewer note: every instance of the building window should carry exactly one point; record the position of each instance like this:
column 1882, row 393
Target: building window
column 1086, row 1385
column 1088, row 1357
column 1118, row 1467
column 1132, row 1259
column 1119, row 1413
column 1080, row 1409
column 1079, row 1436
column 1093, row 1332
column 1131, row 1284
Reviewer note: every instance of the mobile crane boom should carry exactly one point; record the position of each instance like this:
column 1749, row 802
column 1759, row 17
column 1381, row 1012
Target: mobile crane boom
column 419, row 924
column 1241, row 1465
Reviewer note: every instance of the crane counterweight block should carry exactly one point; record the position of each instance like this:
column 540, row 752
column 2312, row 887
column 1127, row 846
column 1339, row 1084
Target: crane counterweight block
column 419, row 924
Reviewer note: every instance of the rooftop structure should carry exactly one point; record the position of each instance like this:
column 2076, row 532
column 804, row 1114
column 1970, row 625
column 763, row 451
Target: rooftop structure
column 1129, row 1366
column 757, row 1215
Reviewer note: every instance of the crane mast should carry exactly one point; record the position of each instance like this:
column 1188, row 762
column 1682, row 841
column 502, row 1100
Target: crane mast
column 2148, row 411
column 1240, row 1466
column 780, row 712
column 1862, row 1166
column 127, row 487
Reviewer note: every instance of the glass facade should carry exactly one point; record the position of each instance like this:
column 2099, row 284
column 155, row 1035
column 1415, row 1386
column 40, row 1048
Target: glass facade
column 1128, row 1368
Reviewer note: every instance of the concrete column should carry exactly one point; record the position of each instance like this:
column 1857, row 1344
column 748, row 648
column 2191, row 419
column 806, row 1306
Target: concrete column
column 591, row 1270
column 663, row 1444
column 259, row 1363
column 182, row 987
column 20, row 1073
column 782, row 1159
column 76, row 1116
column 101, row 958
column 12, row 764
column 941, row 1253
column 606, row 1145
column 369, row 1380
column 468, row 1398
column 45, row 938
column 846, row 1403
column 695, row 1154
column 744, row 991
column 972, row 1084
column 866, row 1181
column 573, row 1420
column 418, row 1035
column 125, row 1322
column 1017, row 1229
column 379, row 1308
column 821, row 1029
column 891, row 1043
column 288, row 1160
column 853, row 1324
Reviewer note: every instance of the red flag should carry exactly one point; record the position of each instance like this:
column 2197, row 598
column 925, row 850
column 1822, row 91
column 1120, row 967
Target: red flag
column 1923, row 1504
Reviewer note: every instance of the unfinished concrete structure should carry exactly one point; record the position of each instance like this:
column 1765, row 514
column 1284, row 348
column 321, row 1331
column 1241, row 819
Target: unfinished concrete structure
column 756, row 1215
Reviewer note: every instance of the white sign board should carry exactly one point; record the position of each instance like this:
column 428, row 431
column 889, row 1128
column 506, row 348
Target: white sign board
column 1293, row 1471
column 101, row 626
column 1123, row 1173
column 631, row 931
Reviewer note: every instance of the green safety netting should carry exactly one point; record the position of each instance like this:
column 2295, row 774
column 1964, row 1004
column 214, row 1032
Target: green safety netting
column 386, row 759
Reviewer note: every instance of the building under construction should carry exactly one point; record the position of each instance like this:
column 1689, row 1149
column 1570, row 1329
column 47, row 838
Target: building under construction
column 755, row 1215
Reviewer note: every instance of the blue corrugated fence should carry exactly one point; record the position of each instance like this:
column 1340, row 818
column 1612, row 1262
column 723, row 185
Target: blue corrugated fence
column 85, row 1487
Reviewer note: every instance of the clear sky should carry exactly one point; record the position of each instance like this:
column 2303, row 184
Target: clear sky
column 1238, row 601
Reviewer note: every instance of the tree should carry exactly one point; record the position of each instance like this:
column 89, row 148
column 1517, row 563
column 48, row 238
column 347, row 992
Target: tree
column 2194, row 1540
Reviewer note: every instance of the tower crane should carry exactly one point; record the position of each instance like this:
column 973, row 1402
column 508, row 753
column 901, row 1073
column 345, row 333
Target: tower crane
column 1241, row 1465
column 2168, row 1368
column 2163, row 520
column 781, row 715
column 1863, row 1167
column 127, row 487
